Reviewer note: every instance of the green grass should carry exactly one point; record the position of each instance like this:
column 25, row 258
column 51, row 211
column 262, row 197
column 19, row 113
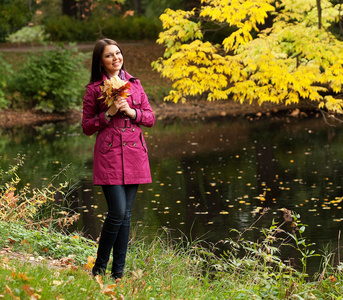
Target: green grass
column 162, row 269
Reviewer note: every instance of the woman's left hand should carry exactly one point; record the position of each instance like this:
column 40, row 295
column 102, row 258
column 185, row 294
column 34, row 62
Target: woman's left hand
column 125, row 108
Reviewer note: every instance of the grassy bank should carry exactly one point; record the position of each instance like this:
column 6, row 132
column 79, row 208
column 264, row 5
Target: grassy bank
column 43, row 264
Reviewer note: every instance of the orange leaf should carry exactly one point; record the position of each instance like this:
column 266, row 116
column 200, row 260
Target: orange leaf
column 98, row 279
column 90, row 263
column 9, row 291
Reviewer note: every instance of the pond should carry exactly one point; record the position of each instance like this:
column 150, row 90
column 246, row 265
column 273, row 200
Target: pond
column 208, row 176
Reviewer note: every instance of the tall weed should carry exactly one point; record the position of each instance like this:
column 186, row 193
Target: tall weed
column 33, row 207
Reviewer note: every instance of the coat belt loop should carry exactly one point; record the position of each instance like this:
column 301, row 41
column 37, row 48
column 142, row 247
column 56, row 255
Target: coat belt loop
column 127, row 123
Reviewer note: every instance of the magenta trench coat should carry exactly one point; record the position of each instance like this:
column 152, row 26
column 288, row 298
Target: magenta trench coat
column 120, row 151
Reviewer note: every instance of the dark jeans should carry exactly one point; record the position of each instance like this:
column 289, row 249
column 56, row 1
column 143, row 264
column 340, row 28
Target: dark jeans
column 116, row 228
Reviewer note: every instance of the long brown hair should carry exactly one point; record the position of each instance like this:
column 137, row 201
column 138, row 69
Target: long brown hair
column 97, row 70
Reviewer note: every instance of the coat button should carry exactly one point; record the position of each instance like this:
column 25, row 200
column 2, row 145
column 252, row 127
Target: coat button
column 134, row 144
column 123, row 130
column 134, row 101
column 133, row 129
column 124, row 144
column 109, row 144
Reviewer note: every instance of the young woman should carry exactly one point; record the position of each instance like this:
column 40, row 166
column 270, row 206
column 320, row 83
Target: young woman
column 120, row 152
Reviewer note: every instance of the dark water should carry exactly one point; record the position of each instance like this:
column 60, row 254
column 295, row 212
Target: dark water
column 208, row 176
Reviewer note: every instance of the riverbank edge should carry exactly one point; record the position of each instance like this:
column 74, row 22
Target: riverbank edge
column 169, row 112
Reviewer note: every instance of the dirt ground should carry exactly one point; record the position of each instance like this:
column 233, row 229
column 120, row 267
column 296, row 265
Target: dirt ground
column 167, row 112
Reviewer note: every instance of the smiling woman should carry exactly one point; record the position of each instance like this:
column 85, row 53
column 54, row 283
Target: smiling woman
column 120, row 154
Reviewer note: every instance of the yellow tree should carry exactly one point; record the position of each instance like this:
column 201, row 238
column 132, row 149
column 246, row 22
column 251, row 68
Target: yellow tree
column 293, row 60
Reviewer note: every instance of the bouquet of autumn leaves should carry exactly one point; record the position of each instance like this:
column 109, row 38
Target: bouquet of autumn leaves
column 114, row 88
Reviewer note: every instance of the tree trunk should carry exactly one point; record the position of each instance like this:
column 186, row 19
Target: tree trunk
column 137, row 5
column 319, row 8
column 190, row 4
column 76, row 8
column 69, row 8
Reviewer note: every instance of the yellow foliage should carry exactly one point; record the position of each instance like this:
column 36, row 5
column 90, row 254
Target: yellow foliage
column 292, row 61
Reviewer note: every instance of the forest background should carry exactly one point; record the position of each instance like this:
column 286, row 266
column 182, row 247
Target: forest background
column 255, row 52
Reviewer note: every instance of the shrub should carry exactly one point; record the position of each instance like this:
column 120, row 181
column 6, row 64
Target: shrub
column 29, row 34
column 54, row 80
column 6, row 72
column 14, row 15
column 64, row 28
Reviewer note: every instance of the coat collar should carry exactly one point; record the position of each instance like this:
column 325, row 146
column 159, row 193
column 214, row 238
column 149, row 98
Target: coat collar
column 127, row 77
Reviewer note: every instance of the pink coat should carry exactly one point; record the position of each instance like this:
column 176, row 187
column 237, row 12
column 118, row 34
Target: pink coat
column 120, row 151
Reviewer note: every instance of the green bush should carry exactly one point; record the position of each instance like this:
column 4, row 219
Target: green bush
column 64, row 28
column 14, row 15
column 52, row 80
column 5, row 73
column 29, row 34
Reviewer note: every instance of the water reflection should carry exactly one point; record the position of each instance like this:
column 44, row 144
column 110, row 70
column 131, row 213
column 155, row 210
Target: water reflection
column 208, row 177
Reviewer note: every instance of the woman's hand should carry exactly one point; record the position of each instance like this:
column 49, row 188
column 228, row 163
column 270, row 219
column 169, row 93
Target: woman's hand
column 121, row 105
column 125, row 108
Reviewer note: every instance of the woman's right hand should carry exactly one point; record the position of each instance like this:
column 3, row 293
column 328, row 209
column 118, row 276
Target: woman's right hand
column 117, row 105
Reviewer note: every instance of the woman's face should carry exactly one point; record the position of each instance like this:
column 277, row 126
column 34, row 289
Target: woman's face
column 112, row 60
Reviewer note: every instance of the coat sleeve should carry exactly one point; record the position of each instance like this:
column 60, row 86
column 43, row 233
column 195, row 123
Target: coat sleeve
column 92, row 119
column 145, row 116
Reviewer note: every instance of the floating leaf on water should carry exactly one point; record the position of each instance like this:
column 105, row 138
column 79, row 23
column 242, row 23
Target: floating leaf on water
column 256, row 210
column 224, row 213
column 178, row 172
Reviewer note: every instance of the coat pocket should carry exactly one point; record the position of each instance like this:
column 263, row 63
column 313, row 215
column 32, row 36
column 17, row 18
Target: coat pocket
column 107, row 144
column 136, row 100
column 143, row 142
